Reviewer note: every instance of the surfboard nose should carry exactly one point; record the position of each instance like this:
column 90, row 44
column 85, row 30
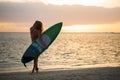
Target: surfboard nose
column 61, row 23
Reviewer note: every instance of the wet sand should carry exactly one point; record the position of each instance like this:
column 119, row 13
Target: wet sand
column 103, row 73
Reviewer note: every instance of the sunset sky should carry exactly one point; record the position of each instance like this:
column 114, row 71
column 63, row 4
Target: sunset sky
column 77, row 15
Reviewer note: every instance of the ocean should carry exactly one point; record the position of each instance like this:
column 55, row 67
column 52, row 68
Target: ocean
column 69, row 50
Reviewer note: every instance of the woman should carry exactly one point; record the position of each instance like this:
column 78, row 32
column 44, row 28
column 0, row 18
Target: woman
column 35, row 32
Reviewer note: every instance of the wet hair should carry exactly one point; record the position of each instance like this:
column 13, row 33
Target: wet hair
column 38, row 25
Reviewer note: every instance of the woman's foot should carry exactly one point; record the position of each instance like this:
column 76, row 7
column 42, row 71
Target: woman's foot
column 37, row 70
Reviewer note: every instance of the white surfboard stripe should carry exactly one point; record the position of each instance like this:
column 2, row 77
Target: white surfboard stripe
column 46, row 39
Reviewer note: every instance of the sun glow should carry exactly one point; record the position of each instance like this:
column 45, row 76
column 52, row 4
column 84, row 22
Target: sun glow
column 79, row 28
column 93, row 28
column 99, row 3
column 71, row 2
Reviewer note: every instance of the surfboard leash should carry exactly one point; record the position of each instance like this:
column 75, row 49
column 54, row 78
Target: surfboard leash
column 26, row 67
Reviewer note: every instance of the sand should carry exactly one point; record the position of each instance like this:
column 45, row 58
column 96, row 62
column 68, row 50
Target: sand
column 101, row 73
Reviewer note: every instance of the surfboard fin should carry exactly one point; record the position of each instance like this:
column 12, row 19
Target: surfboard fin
column 25, row 65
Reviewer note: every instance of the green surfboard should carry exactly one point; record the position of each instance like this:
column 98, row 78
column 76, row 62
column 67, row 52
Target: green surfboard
column 37, row 47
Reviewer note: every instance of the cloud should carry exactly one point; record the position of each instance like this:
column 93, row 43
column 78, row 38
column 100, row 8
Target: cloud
column 50, row 14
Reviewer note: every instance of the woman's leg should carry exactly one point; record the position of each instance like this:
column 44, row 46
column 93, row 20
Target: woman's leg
column 33, row 66
column 36, row 64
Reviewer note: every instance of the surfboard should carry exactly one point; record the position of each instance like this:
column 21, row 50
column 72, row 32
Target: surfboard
column 36, row 48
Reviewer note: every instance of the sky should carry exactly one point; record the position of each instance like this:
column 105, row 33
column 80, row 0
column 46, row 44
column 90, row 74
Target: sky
column 76, row 15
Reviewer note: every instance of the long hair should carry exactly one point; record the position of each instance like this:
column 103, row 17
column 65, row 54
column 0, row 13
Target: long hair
column 38, row 25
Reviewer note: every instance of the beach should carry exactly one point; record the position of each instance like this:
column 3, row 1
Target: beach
column 99, row 73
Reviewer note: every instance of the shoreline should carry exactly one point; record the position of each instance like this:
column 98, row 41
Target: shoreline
column 57, row 67
column 101, row 73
